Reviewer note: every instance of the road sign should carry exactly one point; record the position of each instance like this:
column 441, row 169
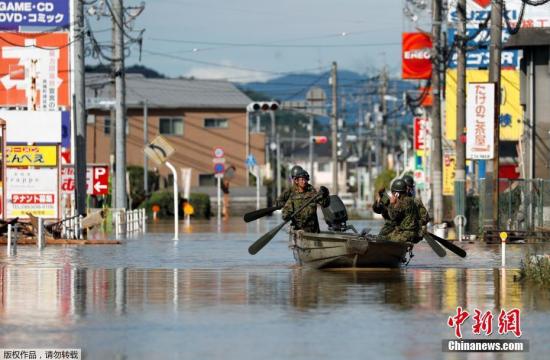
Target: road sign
column 219, row 168
column 218, row 160
column 97, row 179
column 250, row 161
column 159, row 150
column 218, row 152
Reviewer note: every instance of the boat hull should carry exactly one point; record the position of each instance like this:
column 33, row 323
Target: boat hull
column 346, row 250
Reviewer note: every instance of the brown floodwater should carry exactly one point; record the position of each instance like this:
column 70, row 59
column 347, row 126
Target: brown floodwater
column 205, row 297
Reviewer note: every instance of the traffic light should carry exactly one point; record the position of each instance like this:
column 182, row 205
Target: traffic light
column 263, row 106
column 319, row 139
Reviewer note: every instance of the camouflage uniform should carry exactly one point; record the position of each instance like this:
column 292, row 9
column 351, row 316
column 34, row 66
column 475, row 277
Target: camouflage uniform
column 307, row 218
column 381, row 207
column 405, row 215
column 423, row 218
column 283, row 198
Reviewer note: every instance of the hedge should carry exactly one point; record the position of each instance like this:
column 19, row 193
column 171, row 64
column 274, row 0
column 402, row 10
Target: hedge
column 165, row 199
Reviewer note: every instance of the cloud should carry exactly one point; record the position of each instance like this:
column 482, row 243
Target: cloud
column 227, row 73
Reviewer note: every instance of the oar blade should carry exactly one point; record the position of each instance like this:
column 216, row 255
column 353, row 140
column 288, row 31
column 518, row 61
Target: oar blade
column 449, row 245
column 256, row 214
column 435, row 246
column 264, row 240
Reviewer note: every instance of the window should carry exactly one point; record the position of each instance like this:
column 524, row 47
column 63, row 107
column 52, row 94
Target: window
column 107, row 126
column 216, row 123
column 207, row 180
column 171, row 126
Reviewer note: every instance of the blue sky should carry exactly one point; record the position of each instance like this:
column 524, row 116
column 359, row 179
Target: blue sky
column 259, row 39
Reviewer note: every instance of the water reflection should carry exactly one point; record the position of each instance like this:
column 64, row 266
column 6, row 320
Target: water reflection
column 68, row 293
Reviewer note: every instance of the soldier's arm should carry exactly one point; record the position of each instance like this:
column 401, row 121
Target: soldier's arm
column 380, row 205
column 288, row 209
column 422, row 212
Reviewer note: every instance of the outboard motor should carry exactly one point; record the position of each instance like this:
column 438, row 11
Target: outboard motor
column 336, row 215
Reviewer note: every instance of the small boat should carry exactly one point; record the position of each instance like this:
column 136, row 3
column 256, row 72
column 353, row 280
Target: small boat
column 338, row 248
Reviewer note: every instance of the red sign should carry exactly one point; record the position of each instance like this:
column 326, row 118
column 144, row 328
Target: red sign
column 34, row 70
column 97, row 179
column 32, row 198
column 420, row 133
column 416, row 56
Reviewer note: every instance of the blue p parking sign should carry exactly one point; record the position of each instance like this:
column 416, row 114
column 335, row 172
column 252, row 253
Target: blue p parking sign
column 219, row 168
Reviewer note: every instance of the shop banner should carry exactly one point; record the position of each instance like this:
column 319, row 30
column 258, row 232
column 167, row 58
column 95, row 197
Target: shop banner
column 39, row 13
column 30, row 155
column 477, row 56
column 34, row 70
column 480, row 118
column 511, row 111
column 477, row 12
column 32, row 191
column 449, row 168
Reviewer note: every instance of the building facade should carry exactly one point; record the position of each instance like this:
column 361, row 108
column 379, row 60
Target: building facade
column 195, row 116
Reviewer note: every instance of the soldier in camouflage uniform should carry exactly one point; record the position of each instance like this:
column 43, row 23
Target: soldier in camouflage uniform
column 380, row 206
column 404, row 213
column 424, row 216
column 285, row 195
column 306, row 219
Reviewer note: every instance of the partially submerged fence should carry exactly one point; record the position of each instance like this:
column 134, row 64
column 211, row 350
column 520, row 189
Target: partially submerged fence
column 524, row 204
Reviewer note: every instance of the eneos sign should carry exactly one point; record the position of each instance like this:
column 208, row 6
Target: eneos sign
column 416, row 56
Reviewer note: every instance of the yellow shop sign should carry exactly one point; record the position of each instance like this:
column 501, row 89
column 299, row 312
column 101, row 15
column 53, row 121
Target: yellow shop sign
column 31, row 155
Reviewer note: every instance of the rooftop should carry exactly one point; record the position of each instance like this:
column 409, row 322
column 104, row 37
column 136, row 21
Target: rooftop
column 166, row 93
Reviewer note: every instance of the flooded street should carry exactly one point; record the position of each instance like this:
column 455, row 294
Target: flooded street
column 205, row 297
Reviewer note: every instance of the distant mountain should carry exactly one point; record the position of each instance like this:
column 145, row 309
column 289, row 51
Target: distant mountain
column 358, row 93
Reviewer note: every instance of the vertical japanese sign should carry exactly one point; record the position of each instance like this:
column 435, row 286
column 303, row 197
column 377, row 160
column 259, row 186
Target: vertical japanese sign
column 420, row 134
column 449, row 168
column 32, row 191
column 34, row 70
column 480, row 115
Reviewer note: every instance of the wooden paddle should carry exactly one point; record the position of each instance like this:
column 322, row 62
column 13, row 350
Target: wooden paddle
column 256, row 214
column 435, row 246
column 449, row 245
column 267, row 237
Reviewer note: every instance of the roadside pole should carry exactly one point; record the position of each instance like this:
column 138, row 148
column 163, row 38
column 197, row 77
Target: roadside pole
column 437, row 194
column 176, row 198
column 460, row 173
column 145, row 142
column 334, row 127
column 80, row 109
column 120, row 89
column 219, row 197
column 311, row 120
column 491, row 179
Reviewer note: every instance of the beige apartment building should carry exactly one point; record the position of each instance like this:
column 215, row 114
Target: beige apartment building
column 195, row 116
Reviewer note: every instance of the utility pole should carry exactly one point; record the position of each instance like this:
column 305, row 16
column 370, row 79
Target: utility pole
column 120, row 98
column 382, row 124
column 334, row 127
column 80, row 109
column 437, row 193
column 460, row 173
column 491, row 179
column 145, row 143
column 311, row 122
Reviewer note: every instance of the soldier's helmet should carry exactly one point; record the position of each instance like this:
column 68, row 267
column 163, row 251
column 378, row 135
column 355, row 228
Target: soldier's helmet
column 408, row 180
column 399, row 186
column 298, row 172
